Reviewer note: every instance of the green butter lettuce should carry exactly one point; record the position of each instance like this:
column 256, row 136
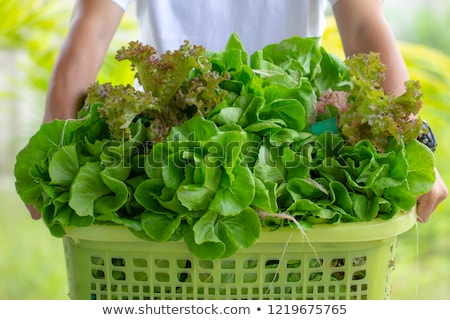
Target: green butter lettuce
column 219, row 144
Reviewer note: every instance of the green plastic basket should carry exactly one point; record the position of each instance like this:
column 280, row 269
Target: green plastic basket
column 346, row 261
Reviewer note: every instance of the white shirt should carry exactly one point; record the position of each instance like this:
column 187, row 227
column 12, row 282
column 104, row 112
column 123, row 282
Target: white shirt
column 165, row 24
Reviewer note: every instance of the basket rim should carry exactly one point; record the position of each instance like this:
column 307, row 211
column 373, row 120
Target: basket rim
column 377, row 229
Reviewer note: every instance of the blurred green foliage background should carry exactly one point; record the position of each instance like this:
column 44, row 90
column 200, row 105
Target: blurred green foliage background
column 32, row 264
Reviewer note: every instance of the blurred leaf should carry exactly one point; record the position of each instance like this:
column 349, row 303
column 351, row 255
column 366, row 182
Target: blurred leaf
column 22, row 19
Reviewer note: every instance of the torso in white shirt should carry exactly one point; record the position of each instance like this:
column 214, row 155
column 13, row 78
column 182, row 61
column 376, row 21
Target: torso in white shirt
column 165, row 24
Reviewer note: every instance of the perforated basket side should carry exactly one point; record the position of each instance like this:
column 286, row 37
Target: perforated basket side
column 142, row 270
column 347, row 261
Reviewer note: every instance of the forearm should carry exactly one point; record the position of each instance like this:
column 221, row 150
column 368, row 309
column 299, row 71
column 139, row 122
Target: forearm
column 92, row 27
column 366, row 31
column 380, row 39
column 71, row 76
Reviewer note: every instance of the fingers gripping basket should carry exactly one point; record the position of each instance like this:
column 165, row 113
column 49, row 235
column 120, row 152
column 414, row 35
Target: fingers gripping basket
column 347, row 261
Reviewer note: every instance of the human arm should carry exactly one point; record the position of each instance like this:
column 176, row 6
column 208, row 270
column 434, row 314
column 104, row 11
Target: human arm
column 363, row 28
column 91, row 29
column 427, row 203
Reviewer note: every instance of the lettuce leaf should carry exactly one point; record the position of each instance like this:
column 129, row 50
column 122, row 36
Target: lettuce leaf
column 374, row 115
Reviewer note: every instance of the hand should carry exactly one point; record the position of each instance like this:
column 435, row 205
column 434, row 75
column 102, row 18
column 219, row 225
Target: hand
column 427, row 203
column 35, row 214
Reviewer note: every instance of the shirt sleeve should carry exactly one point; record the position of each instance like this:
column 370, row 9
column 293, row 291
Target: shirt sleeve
column 122, row 3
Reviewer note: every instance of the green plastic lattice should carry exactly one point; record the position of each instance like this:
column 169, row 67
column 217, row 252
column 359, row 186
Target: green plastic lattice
column 346, row 261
